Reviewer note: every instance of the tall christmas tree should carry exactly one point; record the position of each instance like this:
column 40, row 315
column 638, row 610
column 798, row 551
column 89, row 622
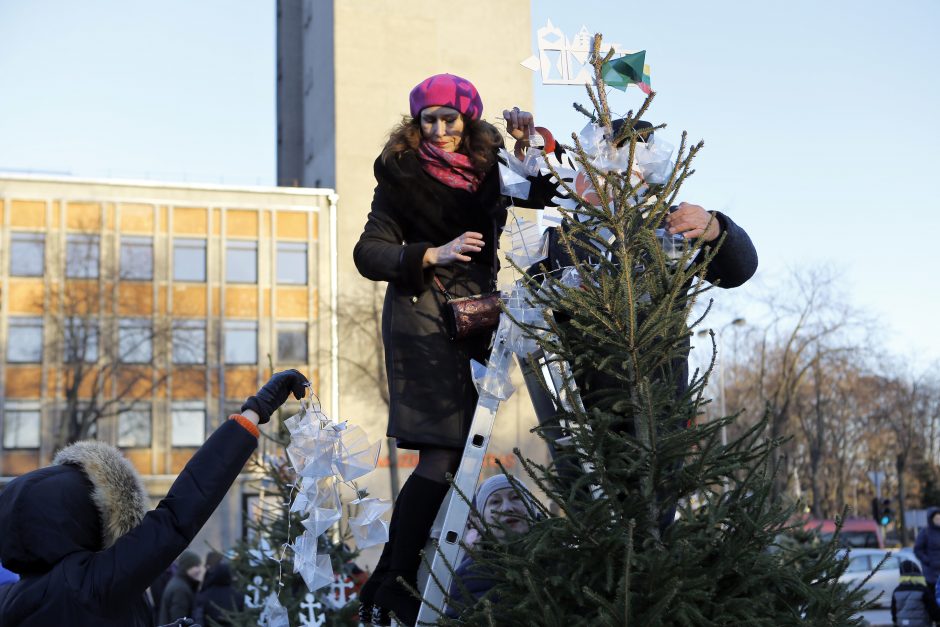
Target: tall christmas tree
column 635, row 451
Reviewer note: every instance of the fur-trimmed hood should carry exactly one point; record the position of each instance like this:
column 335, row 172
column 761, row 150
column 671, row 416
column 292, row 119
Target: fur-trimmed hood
column 85, row 501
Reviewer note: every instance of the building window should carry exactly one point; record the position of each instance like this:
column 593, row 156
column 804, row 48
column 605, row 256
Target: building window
column 81, row 340
column 189, row 342
column 134, row 427
column 21, row 425
column 189, row 260
column 241, row 342
column 135, row 341
column 189, row 424
column 241, row 261
column 24, row 341
column 81, row 257
column 27, row 254
column 292, row 263
column 137, row 258
column 292, row 342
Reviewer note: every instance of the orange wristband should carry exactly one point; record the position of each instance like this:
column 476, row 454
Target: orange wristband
column 251, row 427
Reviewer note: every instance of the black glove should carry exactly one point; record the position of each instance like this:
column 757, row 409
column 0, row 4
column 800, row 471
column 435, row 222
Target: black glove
column 273, row 393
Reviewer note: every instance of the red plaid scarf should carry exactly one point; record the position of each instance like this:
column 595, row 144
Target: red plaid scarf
column 450, row 168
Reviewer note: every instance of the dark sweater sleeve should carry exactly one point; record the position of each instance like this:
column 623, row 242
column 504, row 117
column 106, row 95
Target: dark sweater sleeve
column 123, row 572
column 381, row 253
column 736, row 259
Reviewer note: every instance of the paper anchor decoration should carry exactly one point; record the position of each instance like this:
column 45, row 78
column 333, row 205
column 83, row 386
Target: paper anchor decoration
column 563, row 61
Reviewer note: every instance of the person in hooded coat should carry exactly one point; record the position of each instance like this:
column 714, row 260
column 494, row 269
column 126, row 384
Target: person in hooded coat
column 79, row 535
column 217, row 597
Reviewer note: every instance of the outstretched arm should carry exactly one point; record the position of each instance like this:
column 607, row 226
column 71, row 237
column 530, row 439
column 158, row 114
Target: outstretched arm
column 736, row 259
column 123, row 572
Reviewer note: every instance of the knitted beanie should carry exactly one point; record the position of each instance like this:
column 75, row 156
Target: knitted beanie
column 447, row 90
column 494, row 483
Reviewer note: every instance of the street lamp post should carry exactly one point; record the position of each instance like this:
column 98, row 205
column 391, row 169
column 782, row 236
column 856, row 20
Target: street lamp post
column 722, row 409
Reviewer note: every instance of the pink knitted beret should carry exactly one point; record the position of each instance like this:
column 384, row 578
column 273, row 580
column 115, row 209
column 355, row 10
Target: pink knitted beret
column 447, row 90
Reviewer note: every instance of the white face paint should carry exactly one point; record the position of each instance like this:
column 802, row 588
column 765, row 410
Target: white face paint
column 442, row 126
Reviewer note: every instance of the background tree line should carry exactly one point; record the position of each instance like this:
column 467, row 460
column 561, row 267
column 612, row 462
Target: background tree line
column 844, row 404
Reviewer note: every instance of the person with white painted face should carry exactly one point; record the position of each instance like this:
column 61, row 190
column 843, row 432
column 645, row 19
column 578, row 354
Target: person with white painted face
column 435, row 221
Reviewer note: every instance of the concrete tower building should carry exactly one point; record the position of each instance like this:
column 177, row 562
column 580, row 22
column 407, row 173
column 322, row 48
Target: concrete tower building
column 345, row 69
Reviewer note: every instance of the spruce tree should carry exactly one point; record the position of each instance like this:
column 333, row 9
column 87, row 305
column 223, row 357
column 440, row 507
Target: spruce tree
column 611, row 557
column 262, row 562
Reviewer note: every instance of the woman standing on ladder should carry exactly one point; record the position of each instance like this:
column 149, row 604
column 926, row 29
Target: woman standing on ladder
column 436, row 216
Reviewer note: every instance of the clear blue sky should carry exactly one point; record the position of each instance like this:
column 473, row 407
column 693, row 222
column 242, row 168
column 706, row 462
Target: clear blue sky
column 819, row 118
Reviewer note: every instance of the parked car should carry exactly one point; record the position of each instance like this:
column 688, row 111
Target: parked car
column 862, row 533
column 882, row 583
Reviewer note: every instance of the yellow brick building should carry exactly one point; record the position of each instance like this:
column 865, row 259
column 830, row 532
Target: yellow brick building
column 177, row 295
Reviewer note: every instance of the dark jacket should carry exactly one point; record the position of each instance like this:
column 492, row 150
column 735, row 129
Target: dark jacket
column 927, row 548
column 77, row 535
column 178, row 600
column 908, row 603
column 468, row 586
column 732, row 265
column 217, row 597
column 431, row 392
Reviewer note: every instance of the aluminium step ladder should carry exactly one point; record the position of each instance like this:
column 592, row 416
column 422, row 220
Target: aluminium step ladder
column 551, row 388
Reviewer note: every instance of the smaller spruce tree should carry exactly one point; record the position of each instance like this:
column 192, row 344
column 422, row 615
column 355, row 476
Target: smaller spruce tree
column 262, row 562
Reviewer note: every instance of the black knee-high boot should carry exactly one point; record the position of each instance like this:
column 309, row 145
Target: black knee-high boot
column 415, row 510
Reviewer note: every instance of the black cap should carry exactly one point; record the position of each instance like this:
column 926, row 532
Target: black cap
column 639, row 125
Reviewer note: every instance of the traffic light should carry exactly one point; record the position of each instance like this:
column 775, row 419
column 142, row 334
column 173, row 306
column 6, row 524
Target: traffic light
column 887, row 514
column 876, row 509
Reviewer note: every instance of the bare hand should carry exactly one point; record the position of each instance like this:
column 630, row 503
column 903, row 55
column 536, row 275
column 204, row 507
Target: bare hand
column 693, row 221
column 519, row 124
column 454, row 250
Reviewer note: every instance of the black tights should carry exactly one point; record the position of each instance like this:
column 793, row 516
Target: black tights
column 435, row 463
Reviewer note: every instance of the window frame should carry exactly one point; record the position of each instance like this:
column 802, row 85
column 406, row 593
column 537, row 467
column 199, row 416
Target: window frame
column 72, row 267
column 189, row 325
column 67, row 357
column 292, row 327
column 18, row 238
column 190, row 243
column 286, row 249
column 21, row 407
column 131, row 242
column 140, row 408
column 190, row 407
column 132, row 323
column 241, row 246
column 229, row 326
column 25, row 322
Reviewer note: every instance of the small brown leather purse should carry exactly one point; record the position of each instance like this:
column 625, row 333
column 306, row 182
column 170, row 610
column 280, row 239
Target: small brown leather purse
column 470, row 315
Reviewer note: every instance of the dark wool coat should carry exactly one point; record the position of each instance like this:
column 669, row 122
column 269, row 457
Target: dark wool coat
column 217, row 597
column 77, row 534
column 431, row 392
column 927, row 548
column 733, row 264
column 178, row 599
